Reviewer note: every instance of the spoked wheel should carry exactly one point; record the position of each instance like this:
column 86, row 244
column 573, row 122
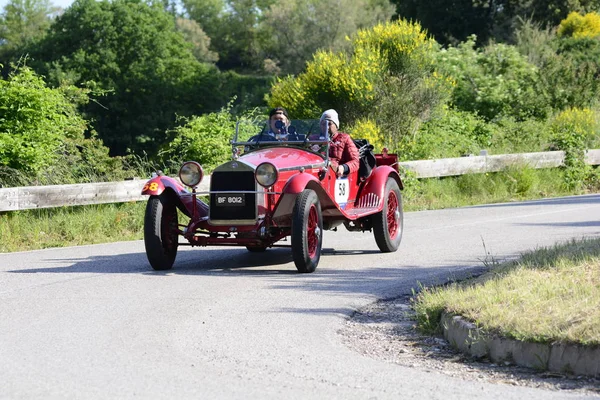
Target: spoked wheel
column 388, row 224
column 307, row 231
column 161, row 232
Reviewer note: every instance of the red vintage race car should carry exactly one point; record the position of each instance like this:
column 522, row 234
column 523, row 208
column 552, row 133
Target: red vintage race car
column 274, row 187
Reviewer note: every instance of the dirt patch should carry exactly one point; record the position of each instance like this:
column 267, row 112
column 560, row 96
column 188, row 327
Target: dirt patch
column 385, row 330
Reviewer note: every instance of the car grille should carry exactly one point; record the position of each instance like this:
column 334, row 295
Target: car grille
column 233, row 181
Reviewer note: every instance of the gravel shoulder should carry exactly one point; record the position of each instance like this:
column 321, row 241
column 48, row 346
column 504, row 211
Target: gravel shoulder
column 385, row 330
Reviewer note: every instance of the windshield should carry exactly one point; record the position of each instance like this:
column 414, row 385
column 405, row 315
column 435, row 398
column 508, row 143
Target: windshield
column 252, row 135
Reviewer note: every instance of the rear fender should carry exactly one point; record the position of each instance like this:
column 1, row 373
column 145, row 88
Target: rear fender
column 373, row 191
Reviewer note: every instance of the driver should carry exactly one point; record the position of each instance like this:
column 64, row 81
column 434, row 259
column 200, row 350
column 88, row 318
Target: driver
column 273, row 133
column 343, row 154
column 277, row 114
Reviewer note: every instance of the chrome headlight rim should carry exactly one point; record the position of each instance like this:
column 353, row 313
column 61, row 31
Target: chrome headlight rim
column 191, row 173
column 266, row 174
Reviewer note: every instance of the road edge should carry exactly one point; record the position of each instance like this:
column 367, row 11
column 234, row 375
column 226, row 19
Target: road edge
column 556, row 357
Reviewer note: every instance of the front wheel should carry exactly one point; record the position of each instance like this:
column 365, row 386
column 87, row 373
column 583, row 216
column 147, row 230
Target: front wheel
column 307, row 231
column 388, row 223
column 161, row 232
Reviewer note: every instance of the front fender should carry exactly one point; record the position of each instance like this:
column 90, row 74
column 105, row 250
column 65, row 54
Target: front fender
column 298, row 183
column 179, row 194
column 373, row 192
column 158, row 184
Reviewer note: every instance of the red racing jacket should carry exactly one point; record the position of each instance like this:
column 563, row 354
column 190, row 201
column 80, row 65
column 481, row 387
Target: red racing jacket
column 342, row 151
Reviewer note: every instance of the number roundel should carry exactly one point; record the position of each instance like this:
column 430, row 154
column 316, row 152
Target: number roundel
column 342, row 190
column 153, row 186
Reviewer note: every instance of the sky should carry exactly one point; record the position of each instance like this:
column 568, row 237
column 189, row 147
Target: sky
column 59, row 3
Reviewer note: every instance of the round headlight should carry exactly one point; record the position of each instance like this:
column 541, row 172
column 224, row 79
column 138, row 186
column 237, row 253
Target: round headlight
column 266, row 174
column 191, row 173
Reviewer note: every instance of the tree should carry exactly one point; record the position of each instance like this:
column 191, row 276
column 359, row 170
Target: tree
column 232, row 27
column 132, row 52
column 22, row 23
column 193, row 33
column 293, row 30
column 452, row 21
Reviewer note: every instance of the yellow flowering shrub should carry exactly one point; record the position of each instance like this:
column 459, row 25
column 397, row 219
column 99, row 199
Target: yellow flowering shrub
column 574, row 130
column 365, row 128
column 402, row 45
column 353, row 82
column 331, row 80
column 581, row 123
column 580, row 26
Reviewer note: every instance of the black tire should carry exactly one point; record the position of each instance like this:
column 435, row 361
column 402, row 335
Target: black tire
column 389, row 223
column 256, row 249
column 161, row 232
column 307, row 231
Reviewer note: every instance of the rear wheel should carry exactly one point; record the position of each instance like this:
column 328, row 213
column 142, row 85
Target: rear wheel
column 307, row 231
column 388, row 224
column 161, row 232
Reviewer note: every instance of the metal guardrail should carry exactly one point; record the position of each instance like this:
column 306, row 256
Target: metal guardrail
column 31, row 197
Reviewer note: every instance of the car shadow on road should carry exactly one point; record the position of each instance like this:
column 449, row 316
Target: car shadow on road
column 198, row 261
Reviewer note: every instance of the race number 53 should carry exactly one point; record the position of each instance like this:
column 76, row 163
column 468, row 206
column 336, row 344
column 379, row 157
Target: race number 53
column 342, row 190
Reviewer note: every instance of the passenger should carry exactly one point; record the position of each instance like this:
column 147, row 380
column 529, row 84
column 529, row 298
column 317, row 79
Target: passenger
column 343, row 154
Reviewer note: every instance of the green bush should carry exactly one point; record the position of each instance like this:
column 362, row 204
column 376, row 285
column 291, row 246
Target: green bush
column 493, row 82
column 453, row 134
column 205, row 139
column 575, row 130
column 512, row 136
column 34, row 122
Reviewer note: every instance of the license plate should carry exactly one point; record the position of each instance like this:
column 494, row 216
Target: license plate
column 230, row 200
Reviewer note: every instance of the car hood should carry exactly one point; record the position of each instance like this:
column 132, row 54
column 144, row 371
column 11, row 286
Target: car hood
column 282, row 157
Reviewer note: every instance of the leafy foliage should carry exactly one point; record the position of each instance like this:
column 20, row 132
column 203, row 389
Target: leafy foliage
column 495, row 81
column 453, row 21
column 454, row 133
column 575, row 130
column 387, row 76
column 34, row 122
column 580, row 26
column 193, row 33
column 132, row 52
column 42, row 135
column 367, row 129
column 22, row 23
column 205, row 139
column 293, row 30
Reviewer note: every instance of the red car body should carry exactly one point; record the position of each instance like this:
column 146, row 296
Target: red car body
column 304, row 199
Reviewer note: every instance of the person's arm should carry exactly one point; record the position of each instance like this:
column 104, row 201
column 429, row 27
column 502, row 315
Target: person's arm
column 350, row 156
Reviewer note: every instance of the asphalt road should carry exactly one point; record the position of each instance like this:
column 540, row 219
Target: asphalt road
column 95, row 322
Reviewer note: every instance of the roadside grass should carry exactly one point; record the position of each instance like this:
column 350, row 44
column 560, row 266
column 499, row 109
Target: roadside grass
column 548, row 295
column 71, row 226
column 512, row 184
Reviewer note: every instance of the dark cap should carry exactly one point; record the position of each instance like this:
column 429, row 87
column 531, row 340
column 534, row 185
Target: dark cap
column 278, row 110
